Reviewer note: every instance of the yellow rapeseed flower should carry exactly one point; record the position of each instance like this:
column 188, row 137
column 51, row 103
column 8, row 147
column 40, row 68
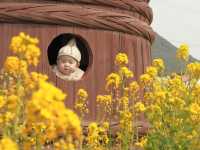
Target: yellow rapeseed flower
column 145, row 79
column 182, row 52
column 139, row 107
column 50, row 110
column 12, row 102
column 121, row 59
column 82, row 93
column 113, row 80
column 126, row 123
column 194, row 108
column 81, row 102
column 152, row 71
column 193, row 70
column 2, row 101
column 104, row 99
column 159, row 96
column 32, row 54
column 196, row 91
column 134, row 87
column 124, row 102
column 9, row 116
column 155, row 109
column 17, row 45
column 105, row 125
column 105, row 102
column 11, row 65
column 93, row 135
column 125, row 72
column 142, row 142
column 26, row 48
column 7, row 144
column 159, row 64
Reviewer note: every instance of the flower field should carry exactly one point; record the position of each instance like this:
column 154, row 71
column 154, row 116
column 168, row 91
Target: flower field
column 31, row 119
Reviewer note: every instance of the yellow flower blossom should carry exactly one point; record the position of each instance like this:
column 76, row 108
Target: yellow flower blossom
column 133, row 87
column 182, row 52
column 194, row 108
column 126, row 121
column 38, row 76
column 17, row 45
column 26, row 48
column 104, row 99
column 106, row 125
column 151, row 71
column 125, row 72
column 82, row 93
column 145, row 79
column 193, row 70
column 159, row 64
column 61, row 144
column 50, row 108
column 2, row 101
column 149, row 96
column 31, row 81
column 14, row 66
column 81, row 102
column 139, row 107
column 9, row 116
column 142, row 142
column 124, row 101
column 93, row 135
column 113, row 80
column 32, row 54
column 196, row 91
column 121, row 59
column 105, row 102
column 160, row 96
column 12, row 102
column 7, row 144
column 155, row 109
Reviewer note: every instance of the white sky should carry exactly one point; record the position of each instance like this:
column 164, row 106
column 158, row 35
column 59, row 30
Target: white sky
column 178, row 21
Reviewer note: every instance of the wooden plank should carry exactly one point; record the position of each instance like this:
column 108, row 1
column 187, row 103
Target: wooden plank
column 129, row 49
column 66, row 86
column 115, row 49
column 3, row 44
column 6, row 35
column 139, row 58
column 145, row 53
column 46, row 34
column 88, row 82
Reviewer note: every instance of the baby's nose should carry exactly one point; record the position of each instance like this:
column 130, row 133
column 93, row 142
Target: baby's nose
column 67, row 64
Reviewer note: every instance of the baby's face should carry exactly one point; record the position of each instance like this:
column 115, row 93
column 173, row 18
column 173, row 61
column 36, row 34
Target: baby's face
column 66, row 64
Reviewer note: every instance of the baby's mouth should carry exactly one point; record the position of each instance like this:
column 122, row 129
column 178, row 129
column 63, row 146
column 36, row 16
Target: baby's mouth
column 67, row 68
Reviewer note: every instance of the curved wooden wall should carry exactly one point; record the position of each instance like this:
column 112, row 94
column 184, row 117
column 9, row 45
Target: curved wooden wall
column 108, row 31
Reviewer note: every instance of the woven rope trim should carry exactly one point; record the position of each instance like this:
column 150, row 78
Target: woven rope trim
column 73, row 14
column 139, row 6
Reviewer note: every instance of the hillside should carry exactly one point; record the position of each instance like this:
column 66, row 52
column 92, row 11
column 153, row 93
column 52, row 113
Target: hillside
column 162, row 48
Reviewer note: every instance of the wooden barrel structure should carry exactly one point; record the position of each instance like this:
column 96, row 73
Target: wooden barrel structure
column 102, row 27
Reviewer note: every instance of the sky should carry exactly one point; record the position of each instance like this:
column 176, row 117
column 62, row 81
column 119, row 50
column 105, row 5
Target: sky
column 178, row 21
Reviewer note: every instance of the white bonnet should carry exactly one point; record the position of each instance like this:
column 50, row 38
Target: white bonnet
column 70, row 49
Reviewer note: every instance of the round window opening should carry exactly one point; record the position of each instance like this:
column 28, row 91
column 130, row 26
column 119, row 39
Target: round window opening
column 69, row 56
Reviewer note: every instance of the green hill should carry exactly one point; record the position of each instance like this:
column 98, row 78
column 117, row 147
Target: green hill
column 162, row 48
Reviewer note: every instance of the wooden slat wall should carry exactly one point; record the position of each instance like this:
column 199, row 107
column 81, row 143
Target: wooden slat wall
column 104, row 45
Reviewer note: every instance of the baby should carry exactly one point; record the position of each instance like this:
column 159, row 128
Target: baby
column 68, row 61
